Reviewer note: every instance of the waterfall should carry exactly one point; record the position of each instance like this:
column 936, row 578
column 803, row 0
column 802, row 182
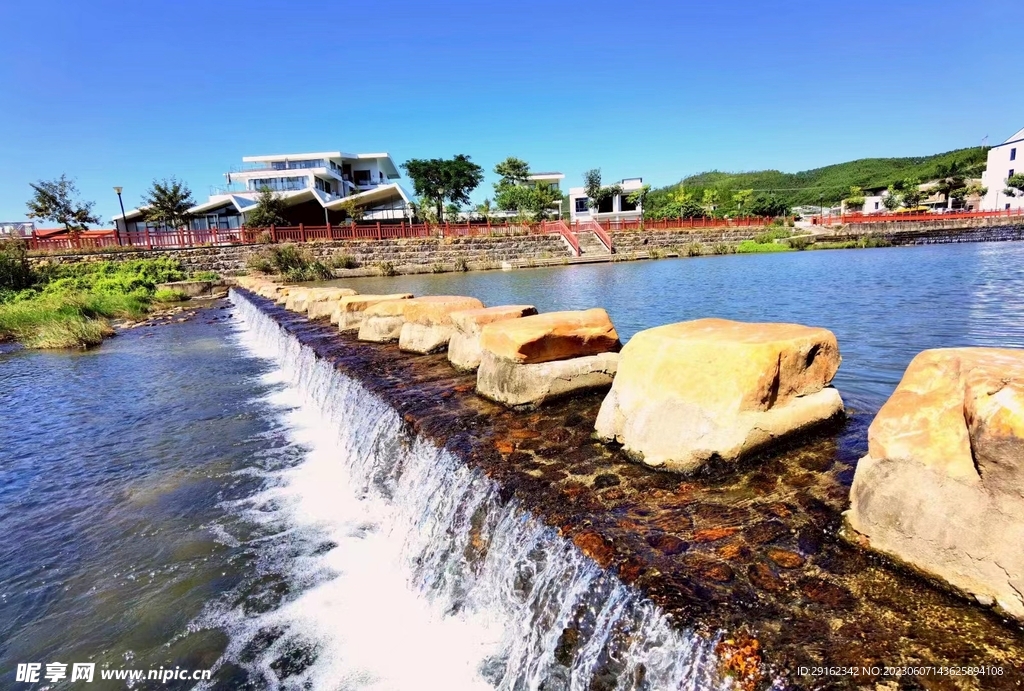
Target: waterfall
column 430, row 579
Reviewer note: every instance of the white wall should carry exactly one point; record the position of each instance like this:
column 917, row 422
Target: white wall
column 997, row 170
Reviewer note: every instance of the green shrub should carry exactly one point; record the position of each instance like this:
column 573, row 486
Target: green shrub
column 722, row 248
column 169, row 295
column 461, row 264
column 438, row 269
column 655, row 253
column 754, row 247
column 205, row 276
column 15, row 272
column 800, row 242
column 772, row 235
column 386, row 269
column 695, row 249
column 344, row 261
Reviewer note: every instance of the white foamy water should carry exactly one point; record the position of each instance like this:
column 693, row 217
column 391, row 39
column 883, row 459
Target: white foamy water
column 428, row 579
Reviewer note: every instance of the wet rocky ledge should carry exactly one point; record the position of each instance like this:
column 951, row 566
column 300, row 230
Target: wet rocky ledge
column 753, row 550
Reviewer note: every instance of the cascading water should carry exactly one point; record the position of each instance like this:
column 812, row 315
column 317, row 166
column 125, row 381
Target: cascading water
column 425, row 577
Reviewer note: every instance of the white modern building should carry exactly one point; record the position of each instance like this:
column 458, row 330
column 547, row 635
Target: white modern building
column 316, row 188
column 1004, row 160
column 16, row 229
column 616, row 207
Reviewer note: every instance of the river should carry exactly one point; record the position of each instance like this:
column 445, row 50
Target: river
column 204, row 495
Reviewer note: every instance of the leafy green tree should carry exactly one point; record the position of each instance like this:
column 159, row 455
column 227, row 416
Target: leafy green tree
column 512, row 170
column 856, row 199
column 167, row 202
column 1014, row 185
column 57, row 201
column 485, row 209
column 768, row 205
column 438, row 180
column 952, row 177
column 352, row 209
column 742, row 199
column 268, row 210
column 639, row 199
column 592, row 185
column 709, row 201
column 451, row 212
column 541, row 199
column 911, row 193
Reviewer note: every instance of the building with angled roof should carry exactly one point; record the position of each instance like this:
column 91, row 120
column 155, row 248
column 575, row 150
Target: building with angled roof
column 1004, row 160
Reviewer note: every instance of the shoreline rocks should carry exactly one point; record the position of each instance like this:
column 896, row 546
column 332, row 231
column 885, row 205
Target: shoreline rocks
column 942, row 486
column 464, row 351
column 322, row 302
column 428, row 324
column 529, row 361
column 711, row 390
column 350, row 312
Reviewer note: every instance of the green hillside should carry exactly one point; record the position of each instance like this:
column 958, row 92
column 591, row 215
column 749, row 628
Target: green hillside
column 832, row 183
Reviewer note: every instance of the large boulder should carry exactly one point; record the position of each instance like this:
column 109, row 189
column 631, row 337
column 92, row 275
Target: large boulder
column 942, row 485
column 296, row 299
column 323, row 301
column 428, row 323
column 690, row 393
column 349, row 312
column 464, row 351
column 529, row 361
column 383, row 321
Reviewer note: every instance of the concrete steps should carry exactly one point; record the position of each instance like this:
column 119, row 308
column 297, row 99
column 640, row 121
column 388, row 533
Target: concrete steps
column 591, row 245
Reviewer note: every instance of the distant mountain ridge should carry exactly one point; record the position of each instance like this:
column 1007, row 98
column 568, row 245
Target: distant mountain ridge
column 831, row 183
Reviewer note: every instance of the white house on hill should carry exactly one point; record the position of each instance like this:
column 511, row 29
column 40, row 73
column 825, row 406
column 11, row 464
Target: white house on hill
column 614, row 208
column 1004, row 160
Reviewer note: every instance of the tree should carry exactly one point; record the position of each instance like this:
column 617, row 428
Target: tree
column 267, row 211
column 451, row 212
column 57, row 201
column 541, row 199
column 742, row 198
column 638, row 198
column 168, row 202
column 1014, row 185
column 485, row 209
column 856, row 199
column 951, row 178
column 911, row 192
column 768, row 205
column 512, row 170
column 709, row 201
column 892, row 200
column 353, row 209
column 439, row 180
column 592, row 185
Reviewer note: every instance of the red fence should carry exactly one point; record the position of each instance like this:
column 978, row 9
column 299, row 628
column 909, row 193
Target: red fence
column 685, row 223
column 567, row 235
column 915, row 217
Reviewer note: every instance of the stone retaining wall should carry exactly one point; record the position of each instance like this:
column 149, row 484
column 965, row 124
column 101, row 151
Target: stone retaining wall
column 920, row 233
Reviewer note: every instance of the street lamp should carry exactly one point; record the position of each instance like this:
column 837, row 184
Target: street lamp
column 124, row 220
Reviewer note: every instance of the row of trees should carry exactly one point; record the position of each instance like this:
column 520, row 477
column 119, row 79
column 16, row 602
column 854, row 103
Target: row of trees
column 952, row 183
column 688, row 202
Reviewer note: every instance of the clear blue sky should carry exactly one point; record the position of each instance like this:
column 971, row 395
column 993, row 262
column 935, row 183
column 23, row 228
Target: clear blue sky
column 122, row 92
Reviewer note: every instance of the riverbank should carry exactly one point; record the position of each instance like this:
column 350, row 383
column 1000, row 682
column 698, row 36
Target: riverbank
column 740, row 552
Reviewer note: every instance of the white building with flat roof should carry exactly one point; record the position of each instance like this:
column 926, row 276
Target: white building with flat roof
column 315, row 188
column 1004, row 160
column 616, row 207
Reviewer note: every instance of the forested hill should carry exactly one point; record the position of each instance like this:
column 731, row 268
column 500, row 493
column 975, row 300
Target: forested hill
column 831, row 182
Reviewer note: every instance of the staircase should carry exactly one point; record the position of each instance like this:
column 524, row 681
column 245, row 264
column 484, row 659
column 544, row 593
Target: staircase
column 590, row 244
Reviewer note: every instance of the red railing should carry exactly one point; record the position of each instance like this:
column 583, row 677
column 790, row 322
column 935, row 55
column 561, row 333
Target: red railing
column 935, row 217
column 685, row 223
column 567, row 235
column 595, row 228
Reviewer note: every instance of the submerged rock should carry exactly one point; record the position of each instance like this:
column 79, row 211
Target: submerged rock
column 690, row 393
column 348, row 314
column 464, row 351
column 529, row 361
column 942, row 485
column 428, row 324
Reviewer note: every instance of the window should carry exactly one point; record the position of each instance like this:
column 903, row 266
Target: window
column 362, row 177
column 605, row 206
column 876, row 206
column 1007, row 207
column 581, row 205
column 626, row 205
column 1013, row 154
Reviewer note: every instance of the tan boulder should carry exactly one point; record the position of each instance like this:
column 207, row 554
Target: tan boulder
column 942, row 486
column 551, row 336
column 323, row 301
column 529, row 361
column 428, row 324
column 713, row 389
column 383, row 321
column 464, row 351
column 297, row 298
column 349, row 312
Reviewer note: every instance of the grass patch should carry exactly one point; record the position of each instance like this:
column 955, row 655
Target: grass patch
column 754, row 247
column 344, row 261
column 860, row 243
column 294, row 263
column 170, row 295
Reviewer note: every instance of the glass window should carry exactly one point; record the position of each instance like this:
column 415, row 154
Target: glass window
column 1013, row 154
column 627, row 205
column 581, row 205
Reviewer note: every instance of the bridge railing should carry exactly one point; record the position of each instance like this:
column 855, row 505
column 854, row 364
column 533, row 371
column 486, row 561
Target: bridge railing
column 917, row 217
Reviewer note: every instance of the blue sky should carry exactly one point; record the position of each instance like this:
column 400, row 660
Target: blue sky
column 122, row 92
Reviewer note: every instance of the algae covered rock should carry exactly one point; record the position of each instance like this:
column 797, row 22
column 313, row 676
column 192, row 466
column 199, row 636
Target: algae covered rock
column 942, row 485
column 690, row 393
column 529, row 361
column 464, row 351
column 428, row 324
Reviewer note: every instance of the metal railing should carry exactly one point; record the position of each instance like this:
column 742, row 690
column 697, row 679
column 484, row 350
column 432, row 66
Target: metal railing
column 567, row 234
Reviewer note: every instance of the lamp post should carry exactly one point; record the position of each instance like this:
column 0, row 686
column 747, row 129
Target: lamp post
column 124, row 220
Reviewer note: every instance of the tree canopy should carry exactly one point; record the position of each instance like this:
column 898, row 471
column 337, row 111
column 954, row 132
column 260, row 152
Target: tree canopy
column 57, row 201
column 167, row 202
column 268, row 210
column 1014, row 185
column 437, row 181
column 513, row 193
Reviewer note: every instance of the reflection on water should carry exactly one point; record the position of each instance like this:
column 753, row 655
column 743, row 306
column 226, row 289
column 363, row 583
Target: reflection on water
column 884, row 305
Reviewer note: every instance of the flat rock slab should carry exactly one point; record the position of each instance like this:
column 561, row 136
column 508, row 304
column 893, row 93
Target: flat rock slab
column 464, row 351
column 518, row 385
column 942, row 485
column 350, row 312
column 428, row 325
column 551, row 336
column 383, row 322
column 713, row 389
column 323, row 301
